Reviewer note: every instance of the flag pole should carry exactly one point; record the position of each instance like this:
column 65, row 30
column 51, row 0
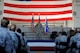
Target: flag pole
column 32, row 23
column 39, row 18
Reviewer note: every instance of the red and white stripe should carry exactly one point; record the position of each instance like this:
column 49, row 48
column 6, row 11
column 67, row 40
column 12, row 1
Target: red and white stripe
column 22, row 10
column 37, row 46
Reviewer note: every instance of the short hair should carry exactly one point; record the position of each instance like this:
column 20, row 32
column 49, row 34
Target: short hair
column 4, row 22
column 64, row 33
column 60, row 32
column 72, row 31
column 12, row 27
column 19, row 30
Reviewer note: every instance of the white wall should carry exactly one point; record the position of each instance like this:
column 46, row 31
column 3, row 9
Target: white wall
column 1, row 9
column 70, row 23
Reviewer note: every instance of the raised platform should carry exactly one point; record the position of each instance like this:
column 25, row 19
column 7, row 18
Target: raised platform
column 41, row 45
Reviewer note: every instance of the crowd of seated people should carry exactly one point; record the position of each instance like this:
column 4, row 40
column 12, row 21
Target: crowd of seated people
column 67, row 42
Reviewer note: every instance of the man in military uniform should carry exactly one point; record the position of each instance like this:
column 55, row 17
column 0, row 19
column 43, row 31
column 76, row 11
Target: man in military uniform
column 14, row 37
column 20, row 42
column 19, row 35
column 75, row 42
column 26, row 47
column 57, row 41
column 62, row 42
column 5, row 38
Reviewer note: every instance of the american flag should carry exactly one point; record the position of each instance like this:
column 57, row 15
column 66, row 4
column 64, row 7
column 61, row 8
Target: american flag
column 46, row 26
column 22, row 10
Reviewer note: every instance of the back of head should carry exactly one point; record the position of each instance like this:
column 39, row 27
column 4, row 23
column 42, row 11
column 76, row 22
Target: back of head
column 77, row 30
column 4, row 22
column 60, row 33
column 54, row 32
column 19, row 30
column 12, row 27
column 64, row 33
column 71, row 32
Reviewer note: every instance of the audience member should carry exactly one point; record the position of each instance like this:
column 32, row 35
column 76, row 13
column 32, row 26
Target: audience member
column 6, row 42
